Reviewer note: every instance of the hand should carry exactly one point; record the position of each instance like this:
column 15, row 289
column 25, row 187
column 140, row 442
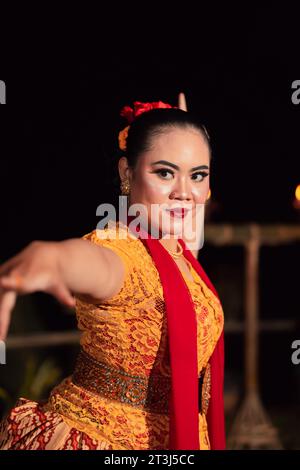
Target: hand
column 35, row 268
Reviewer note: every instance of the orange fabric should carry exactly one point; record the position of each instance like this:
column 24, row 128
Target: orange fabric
column 128, row 331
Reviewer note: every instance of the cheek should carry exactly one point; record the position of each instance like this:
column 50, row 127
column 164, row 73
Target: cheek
column 155, row 189
column 200, row 192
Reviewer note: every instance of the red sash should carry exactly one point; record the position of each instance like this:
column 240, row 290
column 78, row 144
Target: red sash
column 182, row 334
column 215, row 414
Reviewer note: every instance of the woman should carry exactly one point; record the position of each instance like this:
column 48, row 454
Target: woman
column 150, row 371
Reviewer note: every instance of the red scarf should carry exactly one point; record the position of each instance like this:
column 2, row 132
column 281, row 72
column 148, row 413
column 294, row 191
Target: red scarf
column 182, row 334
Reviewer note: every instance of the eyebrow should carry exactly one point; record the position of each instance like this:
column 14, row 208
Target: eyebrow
column 164, row 162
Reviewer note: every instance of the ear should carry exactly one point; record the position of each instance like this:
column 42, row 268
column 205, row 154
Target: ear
column 124, row 169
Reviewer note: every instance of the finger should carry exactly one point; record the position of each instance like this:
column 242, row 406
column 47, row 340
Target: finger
column 13, row 281
column 7, row 303
column 63, row 295
column 8, row 265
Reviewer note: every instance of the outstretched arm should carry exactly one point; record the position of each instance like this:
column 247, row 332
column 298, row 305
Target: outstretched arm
column 73, row 266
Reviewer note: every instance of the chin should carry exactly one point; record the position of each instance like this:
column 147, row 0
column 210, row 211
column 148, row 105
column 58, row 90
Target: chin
column 175, row 228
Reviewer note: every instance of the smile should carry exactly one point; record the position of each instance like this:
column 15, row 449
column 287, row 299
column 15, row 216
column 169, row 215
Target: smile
column 178, row 212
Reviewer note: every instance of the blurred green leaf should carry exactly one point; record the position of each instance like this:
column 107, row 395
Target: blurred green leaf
column 46, row 376
column 6, row 397
column 38, row 378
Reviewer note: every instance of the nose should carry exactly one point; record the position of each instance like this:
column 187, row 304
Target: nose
column 181, row 190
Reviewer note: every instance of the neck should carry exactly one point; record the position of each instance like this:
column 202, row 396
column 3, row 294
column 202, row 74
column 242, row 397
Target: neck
column 169, row 243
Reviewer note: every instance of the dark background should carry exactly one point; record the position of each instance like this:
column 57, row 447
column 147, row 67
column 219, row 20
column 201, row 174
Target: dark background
column 67, row 80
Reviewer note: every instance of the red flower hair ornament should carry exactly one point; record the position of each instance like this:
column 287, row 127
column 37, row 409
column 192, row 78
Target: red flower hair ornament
column 132, row 113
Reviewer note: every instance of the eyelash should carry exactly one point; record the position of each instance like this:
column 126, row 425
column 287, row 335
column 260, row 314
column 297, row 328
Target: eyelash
column 162, row 170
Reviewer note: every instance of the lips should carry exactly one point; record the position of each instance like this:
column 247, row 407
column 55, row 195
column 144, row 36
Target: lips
column 180, row 212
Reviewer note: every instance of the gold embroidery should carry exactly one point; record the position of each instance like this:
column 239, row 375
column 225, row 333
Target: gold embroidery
column 150, row 393
column 205, row 381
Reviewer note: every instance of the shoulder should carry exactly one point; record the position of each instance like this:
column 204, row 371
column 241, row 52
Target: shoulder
column 113, row 231
column 115, row 234
column 140, row 275
column 118, row 238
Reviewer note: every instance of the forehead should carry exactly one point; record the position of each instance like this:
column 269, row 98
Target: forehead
column 181, row 146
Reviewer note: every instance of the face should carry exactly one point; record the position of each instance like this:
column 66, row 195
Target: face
column 172, row 179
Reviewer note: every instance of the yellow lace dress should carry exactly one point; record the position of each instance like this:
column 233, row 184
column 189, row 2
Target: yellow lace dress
column 128, row 332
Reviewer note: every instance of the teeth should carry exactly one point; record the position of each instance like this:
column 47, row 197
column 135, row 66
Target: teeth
column 179, row 209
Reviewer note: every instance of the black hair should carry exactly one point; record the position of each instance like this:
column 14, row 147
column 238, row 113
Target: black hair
column 155, row 122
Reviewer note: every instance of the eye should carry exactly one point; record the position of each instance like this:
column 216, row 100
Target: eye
column 199, row 176
column 165, row 174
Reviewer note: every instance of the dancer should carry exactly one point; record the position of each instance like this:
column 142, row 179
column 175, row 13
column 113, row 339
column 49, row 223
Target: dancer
column 149, row 374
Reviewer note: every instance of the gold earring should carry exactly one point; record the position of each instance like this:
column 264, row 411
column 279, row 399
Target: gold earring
column 125, row 187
